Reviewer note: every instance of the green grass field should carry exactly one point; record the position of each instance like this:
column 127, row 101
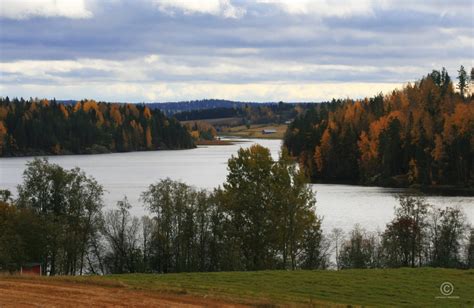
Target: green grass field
column 255, row 131
column 378, row 287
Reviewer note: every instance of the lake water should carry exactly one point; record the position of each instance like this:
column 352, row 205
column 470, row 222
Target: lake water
column 129, row 174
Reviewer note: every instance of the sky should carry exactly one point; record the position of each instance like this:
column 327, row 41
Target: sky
column 261, row 50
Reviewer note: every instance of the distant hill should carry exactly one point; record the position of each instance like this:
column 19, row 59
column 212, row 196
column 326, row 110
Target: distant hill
column 171, row 108
column 205, row 109
column 67, row 102
column 39, row 127
column 176, row 107
column 421, row 134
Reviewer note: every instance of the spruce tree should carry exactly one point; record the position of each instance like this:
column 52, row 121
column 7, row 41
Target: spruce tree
column 463, row 80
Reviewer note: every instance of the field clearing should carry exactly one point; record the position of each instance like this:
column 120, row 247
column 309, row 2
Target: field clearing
column 377, row 287
column 91, row 292
column 255, row 131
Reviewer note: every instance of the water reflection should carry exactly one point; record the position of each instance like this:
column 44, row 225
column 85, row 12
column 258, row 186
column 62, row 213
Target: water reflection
column 206, row 167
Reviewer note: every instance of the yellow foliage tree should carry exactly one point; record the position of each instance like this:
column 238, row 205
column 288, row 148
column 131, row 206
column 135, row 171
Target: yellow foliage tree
column 3, row 112
column 64, row 111
column 44, row 102
column 77, row 107
column 147, row 113
column 318, row 158
column 92, row 105
column 3, row 133
column 438, row 150
column 115, row 114
column 149, row 144
column 133, row 110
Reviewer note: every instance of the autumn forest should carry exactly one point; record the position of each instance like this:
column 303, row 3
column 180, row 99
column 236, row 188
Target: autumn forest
column 421, row 134
column 47, row 127
column 264, row 216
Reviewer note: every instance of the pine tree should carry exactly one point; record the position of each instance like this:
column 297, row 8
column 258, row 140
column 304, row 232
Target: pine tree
column 463, row 80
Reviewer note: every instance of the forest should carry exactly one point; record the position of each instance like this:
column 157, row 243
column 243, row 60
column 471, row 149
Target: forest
column 37, row 127
column 264, row 216
column 420, row 135
column 251, row 113
column 171, row 108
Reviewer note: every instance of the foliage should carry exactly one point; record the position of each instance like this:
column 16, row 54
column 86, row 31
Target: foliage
column 211, row 113
column 419, row 235
column 404, row 237
column 44, row 126
column 419, row 135
column 262, row 218
column 463, row 81
column 271, row 211
column 250, row 113
column 54, row 218
column 20, row 237
column 201, row 130
column 361, row 250
column 184, row 218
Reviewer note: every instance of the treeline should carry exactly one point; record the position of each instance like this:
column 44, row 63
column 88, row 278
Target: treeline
column 171, row 108
column 419, row 235
column 46, row 127
column 201, row 130
column 422, row 134
column 249, row 113
column 263, row 217
column 213, row 113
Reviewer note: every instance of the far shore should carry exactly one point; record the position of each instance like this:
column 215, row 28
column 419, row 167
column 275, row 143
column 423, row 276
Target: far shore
column 256, row 131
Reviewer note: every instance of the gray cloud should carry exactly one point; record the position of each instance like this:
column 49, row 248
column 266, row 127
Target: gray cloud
column 229, row 43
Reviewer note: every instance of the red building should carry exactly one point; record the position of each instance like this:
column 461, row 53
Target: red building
column 33, row 269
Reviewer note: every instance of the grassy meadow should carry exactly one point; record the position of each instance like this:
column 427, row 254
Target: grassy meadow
column 375, row 287
column 255, row 131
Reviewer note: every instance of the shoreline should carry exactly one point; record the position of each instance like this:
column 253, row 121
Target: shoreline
column 43, row 154
column 432, row 190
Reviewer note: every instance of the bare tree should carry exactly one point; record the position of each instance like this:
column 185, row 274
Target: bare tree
column 337, row 235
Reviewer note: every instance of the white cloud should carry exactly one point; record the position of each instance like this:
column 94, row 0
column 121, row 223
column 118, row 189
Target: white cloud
column 132, row 53
column 197, row 68
column 340, row 8
column 223, row 8
column 346, row 8
column 158, row 91
column 62, row 79
column 439, row 7
column 24, row 9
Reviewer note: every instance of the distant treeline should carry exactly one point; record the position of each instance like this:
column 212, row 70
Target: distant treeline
column 171, row 108
column 218, row 108
column 250, row 113
column 213, row 113
column 46, row 127
column 422, row 134
column 263, row 217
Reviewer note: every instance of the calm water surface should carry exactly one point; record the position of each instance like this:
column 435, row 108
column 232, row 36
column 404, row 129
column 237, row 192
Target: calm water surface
column 206, row 167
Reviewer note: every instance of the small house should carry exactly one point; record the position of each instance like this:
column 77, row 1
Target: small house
column 268, row 131
column 32, row 269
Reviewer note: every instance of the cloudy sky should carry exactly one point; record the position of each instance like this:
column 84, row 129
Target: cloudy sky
column 262, row 50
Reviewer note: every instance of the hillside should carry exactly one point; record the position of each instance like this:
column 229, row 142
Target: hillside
column 380, row 287
column 38, row 127
column 183, row 106
column 420, row 135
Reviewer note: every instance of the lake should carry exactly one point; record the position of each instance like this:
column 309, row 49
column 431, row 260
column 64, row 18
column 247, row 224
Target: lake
column 206, row 167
